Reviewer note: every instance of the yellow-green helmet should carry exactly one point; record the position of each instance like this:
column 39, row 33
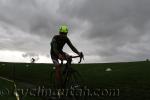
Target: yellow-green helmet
column 63, row 29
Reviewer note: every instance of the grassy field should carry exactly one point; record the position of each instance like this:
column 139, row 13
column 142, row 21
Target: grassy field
column 131, row 79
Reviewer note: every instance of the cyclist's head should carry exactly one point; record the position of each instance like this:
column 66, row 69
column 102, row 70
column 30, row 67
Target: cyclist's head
column 63, row 30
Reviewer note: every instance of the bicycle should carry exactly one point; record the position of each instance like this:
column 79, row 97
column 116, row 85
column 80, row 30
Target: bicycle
column 72, row 79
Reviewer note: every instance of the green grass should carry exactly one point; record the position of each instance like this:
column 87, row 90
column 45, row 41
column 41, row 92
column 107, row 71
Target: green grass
column 131, row 78
column 4, row 93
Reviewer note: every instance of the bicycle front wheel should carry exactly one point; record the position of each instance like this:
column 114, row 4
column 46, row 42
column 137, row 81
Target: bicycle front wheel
column 75, row 84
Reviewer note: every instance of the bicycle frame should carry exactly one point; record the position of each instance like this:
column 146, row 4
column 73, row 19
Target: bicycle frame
column 71, row 78
column 68, row 69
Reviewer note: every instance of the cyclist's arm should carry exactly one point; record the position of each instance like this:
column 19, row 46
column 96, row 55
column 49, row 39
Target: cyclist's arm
column 71, row 46
column 54, row 46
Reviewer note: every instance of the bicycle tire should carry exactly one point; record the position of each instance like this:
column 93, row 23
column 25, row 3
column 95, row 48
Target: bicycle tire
column 75, row 82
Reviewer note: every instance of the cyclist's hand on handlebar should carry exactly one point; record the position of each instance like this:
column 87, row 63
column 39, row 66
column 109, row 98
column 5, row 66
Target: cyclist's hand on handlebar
column 80, row 54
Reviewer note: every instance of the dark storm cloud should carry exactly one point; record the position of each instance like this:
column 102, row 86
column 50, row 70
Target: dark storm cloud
column 32, row 16
column 115, row 24
column 109, row 16
column 111, row 30
column 28, row 15
column 26, row 25
column 37, row 22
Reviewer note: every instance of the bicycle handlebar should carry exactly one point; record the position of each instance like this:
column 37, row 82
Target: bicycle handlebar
column 81, row 57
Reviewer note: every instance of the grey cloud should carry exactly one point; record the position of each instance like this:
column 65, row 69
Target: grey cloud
column 12, row 38
column 29, row 16
column 113, row 27
column 108, row 16
column 35, row 17
column 31, row 56
column 114, row 24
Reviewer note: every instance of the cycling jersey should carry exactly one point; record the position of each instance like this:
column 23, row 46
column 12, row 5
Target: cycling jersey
column 58, row 43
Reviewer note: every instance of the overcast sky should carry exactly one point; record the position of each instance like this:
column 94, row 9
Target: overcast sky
column 105, row 30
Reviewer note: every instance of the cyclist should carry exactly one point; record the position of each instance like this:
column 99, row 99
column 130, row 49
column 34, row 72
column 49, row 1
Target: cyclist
column 32, row 60
column 57, row 44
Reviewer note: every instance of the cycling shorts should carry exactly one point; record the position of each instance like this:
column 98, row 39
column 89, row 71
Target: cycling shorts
column 55, row 58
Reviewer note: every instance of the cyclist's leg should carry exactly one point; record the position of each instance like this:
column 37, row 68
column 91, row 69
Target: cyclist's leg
column 66, row 57
column 58, row 72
